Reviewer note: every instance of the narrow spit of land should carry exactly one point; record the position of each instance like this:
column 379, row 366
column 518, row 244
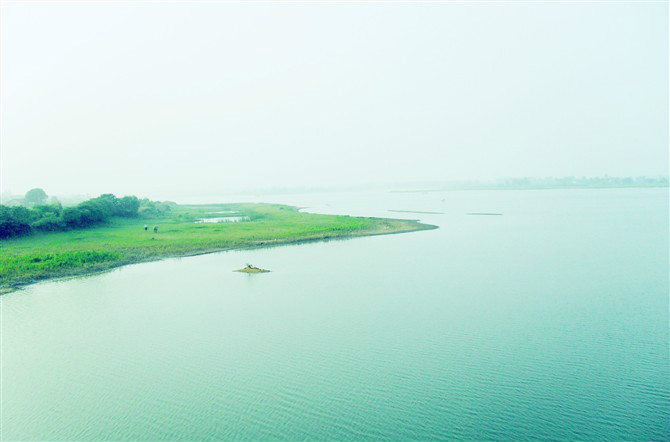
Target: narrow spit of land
column 122, row 241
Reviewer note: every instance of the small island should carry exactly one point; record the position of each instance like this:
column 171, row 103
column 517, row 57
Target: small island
column 249, row 268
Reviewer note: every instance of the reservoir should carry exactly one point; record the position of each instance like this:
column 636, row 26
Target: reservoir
column 546, row 322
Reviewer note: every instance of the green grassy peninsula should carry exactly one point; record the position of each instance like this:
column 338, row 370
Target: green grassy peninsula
column 184, row 230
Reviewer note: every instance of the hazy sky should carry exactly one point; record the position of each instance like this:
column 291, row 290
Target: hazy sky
column 154, row 98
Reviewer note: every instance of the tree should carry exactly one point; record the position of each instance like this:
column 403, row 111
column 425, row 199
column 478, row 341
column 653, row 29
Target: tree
column 127, row 206
column 36, row 196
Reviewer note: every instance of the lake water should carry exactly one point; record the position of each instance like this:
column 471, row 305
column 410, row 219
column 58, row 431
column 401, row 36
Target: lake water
column 546, row 323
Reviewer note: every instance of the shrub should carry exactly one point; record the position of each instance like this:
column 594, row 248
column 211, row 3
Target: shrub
column 45, row 210
column 49, row 223
column 72, row 217
column 13, row 222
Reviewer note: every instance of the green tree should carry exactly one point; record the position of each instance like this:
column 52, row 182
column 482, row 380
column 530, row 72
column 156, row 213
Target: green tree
column 36, row 197
column 127, row 206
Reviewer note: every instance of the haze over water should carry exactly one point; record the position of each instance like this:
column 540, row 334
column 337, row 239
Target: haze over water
column 548, row 323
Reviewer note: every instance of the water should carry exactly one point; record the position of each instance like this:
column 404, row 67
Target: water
column 546, row 323
column 223, row 219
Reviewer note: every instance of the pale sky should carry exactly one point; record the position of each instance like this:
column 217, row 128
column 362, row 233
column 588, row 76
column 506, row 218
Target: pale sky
column 159, row 98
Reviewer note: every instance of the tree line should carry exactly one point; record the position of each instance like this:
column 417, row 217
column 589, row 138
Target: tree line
column 17, row 221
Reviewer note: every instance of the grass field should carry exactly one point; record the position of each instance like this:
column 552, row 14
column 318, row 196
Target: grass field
column 123, row 241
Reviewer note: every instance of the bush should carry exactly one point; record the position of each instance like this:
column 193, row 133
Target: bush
column 150, row 209
column 23, row 215
column 72, row 217
column 93, row 212
column 44, row 210
column 13, row 222
column 49, row 223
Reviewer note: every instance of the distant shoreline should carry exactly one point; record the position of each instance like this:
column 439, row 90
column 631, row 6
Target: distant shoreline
column 452, row 189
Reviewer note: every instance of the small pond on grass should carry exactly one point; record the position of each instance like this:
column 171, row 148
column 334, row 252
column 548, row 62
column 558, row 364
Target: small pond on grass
column 223, row 219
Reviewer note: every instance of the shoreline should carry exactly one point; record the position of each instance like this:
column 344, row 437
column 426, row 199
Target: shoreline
column 384, row 226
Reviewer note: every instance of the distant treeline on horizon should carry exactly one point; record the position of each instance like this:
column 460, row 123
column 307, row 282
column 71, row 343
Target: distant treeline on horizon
column 549, row 183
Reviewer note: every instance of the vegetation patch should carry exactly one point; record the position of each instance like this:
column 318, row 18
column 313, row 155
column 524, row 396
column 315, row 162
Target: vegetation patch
column 117, row 240
column 37, row 216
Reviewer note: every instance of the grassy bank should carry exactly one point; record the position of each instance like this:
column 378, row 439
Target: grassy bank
column 124, row 241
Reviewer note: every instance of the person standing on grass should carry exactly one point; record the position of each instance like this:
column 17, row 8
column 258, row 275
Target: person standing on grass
column 146, row 227
column 155, row 229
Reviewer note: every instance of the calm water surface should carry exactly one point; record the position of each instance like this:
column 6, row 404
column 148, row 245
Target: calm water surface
column 547, row 323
